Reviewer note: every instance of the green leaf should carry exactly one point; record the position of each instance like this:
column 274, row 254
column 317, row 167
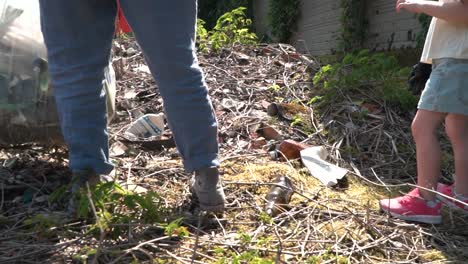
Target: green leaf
column 348, row 59
column 174, row 228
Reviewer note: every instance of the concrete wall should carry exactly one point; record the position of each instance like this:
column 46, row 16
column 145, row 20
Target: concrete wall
column 319, row 26
column 388, row 29
column 260, row 10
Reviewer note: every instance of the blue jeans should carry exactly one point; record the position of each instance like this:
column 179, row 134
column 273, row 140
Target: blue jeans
column 78, row 36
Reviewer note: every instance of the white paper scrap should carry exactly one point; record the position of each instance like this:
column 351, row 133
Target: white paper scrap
column 314, row 159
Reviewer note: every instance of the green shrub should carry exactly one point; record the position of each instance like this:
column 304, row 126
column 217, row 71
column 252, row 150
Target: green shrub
column 210, row 10
column 375, row 74
column 231, row 28
column 116, row 207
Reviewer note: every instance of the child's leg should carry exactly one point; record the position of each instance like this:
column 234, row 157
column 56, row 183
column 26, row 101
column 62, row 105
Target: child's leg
column 420, row 205
column 428, row 156
column 456, row 126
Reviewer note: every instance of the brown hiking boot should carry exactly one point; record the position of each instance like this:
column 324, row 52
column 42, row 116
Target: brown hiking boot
column 206, row 187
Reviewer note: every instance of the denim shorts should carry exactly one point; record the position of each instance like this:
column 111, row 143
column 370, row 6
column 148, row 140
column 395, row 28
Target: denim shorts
column 447, row 88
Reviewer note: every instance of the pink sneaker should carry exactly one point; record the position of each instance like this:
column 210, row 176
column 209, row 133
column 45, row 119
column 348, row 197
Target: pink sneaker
column 412, row 207
column 448, row 191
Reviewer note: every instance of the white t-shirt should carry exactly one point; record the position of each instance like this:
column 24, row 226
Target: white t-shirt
column 445, row 40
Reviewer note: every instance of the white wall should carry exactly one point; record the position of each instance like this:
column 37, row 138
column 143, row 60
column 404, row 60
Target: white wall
column 384, row 23
column 261, row 16
column 319, row 26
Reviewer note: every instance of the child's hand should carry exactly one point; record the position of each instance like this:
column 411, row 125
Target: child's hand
column 413, row 6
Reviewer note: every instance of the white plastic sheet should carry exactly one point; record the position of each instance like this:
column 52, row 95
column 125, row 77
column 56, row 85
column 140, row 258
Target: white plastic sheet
column 314, row 159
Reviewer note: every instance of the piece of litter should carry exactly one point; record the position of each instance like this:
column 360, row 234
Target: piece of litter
column 144, row 69
column 118, row 149
column 290, row 150
column 279, row 196
column 130, row 95
column 232, row 105
column 147, row 126
column 135, row 188
column 41, row 199
column 257, row 143
column 269, row 132
column 314, row 159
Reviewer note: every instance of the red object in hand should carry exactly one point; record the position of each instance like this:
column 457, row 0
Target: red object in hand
column 122, row 24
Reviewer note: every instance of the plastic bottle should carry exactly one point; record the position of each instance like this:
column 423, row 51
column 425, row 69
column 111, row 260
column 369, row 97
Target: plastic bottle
column 279, row 195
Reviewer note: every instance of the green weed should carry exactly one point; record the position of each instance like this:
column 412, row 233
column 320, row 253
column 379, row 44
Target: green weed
column 363, row 72
column 231, row 28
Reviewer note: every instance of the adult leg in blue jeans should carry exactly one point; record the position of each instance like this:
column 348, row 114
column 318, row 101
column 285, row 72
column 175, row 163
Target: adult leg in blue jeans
column 78, row 35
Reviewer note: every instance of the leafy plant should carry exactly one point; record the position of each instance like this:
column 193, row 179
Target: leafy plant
column 202, row 36
column 315, row 99
column 116, row 206
column 58, row 194
column 219, row 251
column 211, row 10
column 175, row 229
column 283, row 16
column 376, row 73
column 264, row 241
column 275, row 87
column 84, row 254
column 245, row 238
column 297, row 120
column 43, row 224
column 231, row 28
column 265, row 218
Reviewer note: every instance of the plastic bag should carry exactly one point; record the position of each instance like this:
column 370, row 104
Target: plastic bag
column 27, row 107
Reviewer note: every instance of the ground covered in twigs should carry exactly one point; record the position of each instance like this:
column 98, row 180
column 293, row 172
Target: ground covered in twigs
column 149, row 217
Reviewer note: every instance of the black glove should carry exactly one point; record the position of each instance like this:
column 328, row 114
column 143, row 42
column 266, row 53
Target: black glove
column 418, row 77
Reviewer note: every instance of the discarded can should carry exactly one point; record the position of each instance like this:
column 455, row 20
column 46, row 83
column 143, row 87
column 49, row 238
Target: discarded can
column 279, row 195
column 290, row 149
